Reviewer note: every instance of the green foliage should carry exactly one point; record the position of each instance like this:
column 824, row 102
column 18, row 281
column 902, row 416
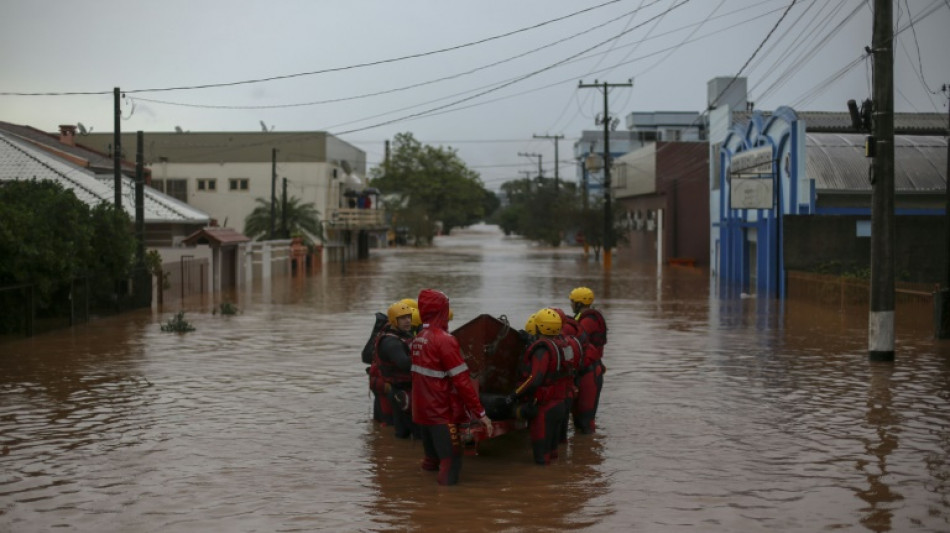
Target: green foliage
column 226, row 308
column 178, row 324
column 437, row 187
column 302, row 219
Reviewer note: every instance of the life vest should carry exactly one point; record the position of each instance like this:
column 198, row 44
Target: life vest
column 561, row 366
column 369, row 347
column 388, row 371
column 598, row 337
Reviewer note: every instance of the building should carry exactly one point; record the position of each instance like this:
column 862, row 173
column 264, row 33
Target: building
column 228, row 174
column 792, row 189
column 661, row 190
column 27, row 153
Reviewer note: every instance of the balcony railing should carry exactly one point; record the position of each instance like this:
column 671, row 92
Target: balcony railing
column 348, row 218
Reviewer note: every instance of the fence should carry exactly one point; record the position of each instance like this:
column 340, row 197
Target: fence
column 23, row 312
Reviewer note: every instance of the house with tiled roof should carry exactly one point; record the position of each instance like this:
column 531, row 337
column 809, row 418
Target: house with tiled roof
column 27, row 153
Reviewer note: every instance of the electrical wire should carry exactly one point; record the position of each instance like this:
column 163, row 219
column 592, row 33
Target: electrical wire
column 327, row 70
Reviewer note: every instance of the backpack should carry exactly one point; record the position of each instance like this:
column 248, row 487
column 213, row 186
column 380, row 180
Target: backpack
column 370, row 347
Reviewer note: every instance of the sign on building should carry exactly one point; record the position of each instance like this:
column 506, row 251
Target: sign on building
column 750, row 177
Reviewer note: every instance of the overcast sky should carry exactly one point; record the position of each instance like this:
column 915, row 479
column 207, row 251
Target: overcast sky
column 482, row 77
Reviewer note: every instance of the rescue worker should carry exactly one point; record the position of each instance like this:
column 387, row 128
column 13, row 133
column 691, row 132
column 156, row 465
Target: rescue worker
column 382, row 410
column 443, row 393
column 545, row 374
column 393, row 363
column 590, row 372
column 574, row 338
column 416, row 319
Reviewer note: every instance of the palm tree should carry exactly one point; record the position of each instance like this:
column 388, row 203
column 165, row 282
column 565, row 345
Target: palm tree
column 301, row 218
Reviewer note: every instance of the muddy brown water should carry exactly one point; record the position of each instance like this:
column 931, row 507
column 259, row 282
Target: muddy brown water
column 717, row 415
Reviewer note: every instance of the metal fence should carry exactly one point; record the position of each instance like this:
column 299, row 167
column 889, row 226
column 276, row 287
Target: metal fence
column 24, row 313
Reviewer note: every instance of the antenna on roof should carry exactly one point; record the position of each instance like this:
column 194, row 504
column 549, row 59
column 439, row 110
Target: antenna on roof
column 264, row 127
column 82, row 129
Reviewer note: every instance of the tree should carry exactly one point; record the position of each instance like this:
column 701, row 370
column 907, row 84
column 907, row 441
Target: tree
column 437, row 186
column 49, row 239
column 302, row 219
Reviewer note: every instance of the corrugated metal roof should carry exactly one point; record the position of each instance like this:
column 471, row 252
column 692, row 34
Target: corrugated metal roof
column 20, row 160
column 833, row 121
column 837, row 163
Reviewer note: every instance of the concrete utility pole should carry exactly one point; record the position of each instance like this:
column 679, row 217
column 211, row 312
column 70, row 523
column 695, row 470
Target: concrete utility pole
column 273, row 190
column 117, row 147
column 608, row 213
column 881, row 319
column 557, row 161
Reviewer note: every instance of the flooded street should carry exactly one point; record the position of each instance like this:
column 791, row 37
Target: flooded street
column 716, row 415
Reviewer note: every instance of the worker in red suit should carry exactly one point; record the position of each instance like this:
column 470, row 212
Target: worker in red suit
column 590, row 371
column 443, row 393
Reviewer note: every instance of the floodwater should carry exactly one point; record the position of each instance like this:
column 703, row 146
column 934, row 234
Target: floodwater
column 717, row 415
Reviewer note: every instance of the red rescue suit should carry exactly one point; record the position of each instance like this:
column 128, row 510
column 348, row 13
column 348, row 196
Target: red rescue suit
column 590, row 370
column 547, row 384
column 443, row 392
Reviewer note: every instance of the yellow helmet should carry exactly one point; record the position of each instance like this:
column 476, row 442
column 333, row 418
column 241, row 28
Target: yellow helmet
column 451, row 314
column 410, row 302
column 582, row 295
column 530, row 326
column 416, row 318
column 548, row 322
column 397, row 310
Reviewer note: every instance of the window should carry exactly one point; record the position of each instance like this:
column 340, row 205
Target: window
column 207, row 184
column 158, row 185
column 646, row 136
column 237, row 184
column 177, row 189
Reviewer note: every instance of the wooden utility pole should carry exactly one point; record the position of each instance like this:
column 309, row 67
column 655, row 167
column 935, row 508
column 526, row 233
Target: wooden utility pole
column 117, row 147
column 942, row 297
column 608, row 213
column 532, row 154
column 273, row 189
column 557, row 161
column 142, row 279
column 283, row 211
column 881, row 144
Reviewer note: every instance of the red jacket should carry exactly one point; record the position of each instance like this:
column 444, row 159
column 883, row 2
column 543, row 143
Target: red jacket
column 594, row 326
column 442, row 389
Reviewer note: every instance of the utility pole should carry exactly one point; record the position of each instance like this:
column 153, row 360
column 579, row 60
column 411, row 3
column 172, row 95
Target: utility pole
column 881, row 318
column 942, row 298
column 283, row 212
column 142, row 279
column 532, row 154
column 117, row 148
column 527, row 179
column 273, row 189
column 608, row 214
column 557, row 162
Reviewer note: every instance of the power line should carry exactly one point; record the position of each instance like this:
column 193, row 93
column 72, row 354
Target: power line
column 327, row 70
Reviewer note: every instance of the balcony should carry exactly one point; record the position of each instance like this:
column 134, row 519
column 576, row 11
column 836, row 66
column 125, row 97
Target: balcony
column 355, row 219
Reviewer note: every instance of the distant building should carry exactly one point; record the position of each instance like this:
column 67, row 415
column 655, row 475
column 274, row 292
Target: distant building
column 662, row 193
column 225, row 173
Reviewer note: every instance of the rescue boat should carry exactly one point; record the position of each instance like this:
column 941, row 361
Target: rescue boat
column 492, row 349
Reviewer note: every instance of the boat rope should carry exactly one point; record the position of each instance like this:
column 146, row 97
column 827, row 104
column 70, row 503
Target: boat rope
column 493, row 345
